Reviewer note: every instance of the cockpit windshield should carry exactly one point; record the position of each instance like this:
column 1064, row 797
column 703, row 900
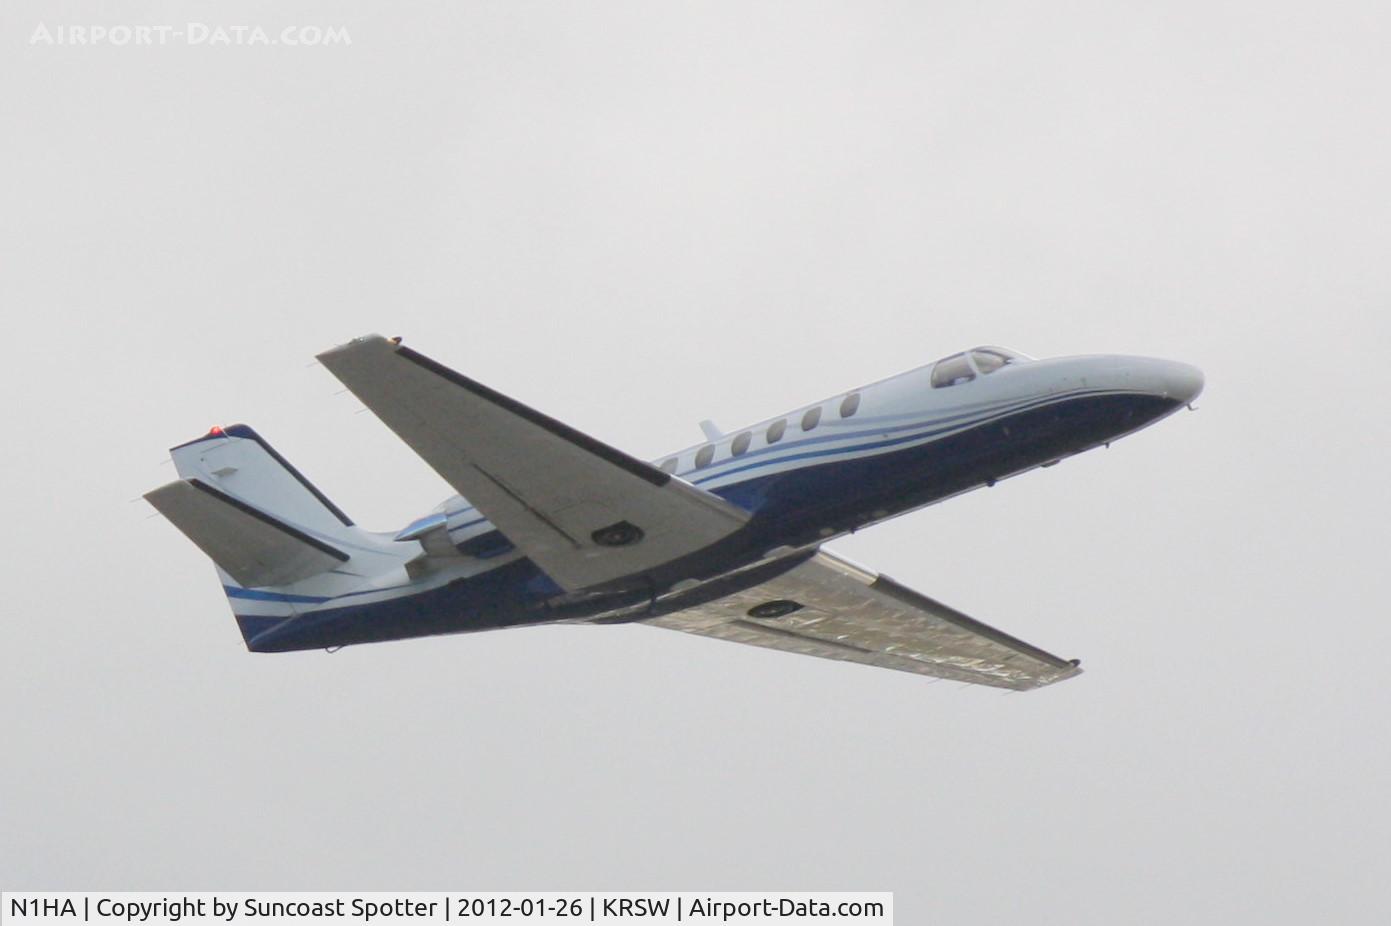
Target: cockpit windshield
column 990, row 359
column 950, row 371
column 962, row 368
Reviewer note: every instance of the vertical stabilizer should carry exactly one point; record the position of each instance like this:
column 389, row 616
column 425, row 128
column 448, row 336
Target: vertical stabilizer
column 238, row 462
column 279, row 544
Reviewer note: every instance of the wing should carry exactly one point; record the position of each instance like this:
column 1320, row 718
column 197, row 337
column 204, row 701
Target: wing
column 843, row 611
column 584, row 512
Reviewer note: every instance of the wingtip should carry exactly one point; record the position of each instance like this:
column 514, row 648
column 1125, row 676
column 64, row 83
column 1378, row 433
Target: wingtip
column 368, row 342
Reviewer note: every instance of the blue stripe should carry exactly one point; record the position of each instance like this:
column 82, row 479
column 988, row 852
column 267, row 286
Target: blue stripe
column 848, row 435
column 1002, row 411
column 256, row 594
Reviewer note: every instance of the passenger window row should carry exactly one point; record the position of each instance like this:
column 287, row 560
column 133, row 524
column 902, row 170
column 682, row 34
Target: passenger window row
column 775, row 432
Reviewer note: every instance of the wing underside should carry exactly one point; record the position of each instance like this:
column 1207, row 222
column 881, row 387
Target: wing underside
column 845, row 612
column 583, row 511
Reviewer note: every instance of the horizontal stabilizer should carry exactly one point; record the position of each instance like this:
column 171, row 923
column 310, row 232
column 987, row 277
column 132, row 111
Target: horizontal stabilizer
column 253, row 547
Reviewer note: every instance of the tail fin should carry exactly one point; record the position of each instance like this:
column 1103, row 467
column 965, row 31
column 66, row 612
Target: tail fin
column 238, row 462
column 280, row 545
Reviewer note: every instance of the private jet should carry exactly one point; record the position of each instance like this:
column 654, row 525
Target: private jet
column 724, row 539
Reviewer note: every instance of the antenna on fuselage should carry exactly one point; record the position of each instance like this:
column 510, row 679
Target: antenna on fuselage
column 711, row 432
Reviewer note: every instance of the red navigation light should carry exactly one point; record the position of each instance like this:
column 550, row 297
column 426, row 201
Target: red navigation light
column 214, row 431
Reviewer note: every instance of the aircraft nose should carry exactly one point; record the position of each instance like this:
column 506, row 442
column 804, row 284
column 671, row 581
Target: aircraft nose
column 1181, row 382
column 1170, row 380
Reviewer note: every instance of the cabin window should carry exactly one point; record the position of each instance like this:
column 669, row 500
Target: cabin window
column 669, row 466
column 741, row 444
column 704, row 455
column 776, row 430
column 811, row 419
column 951, row 371
column 849, row 405
column 989, row 359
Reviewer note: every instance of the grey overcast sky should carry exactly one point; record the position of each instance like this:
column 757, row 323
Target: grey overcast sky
column 637, row 215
